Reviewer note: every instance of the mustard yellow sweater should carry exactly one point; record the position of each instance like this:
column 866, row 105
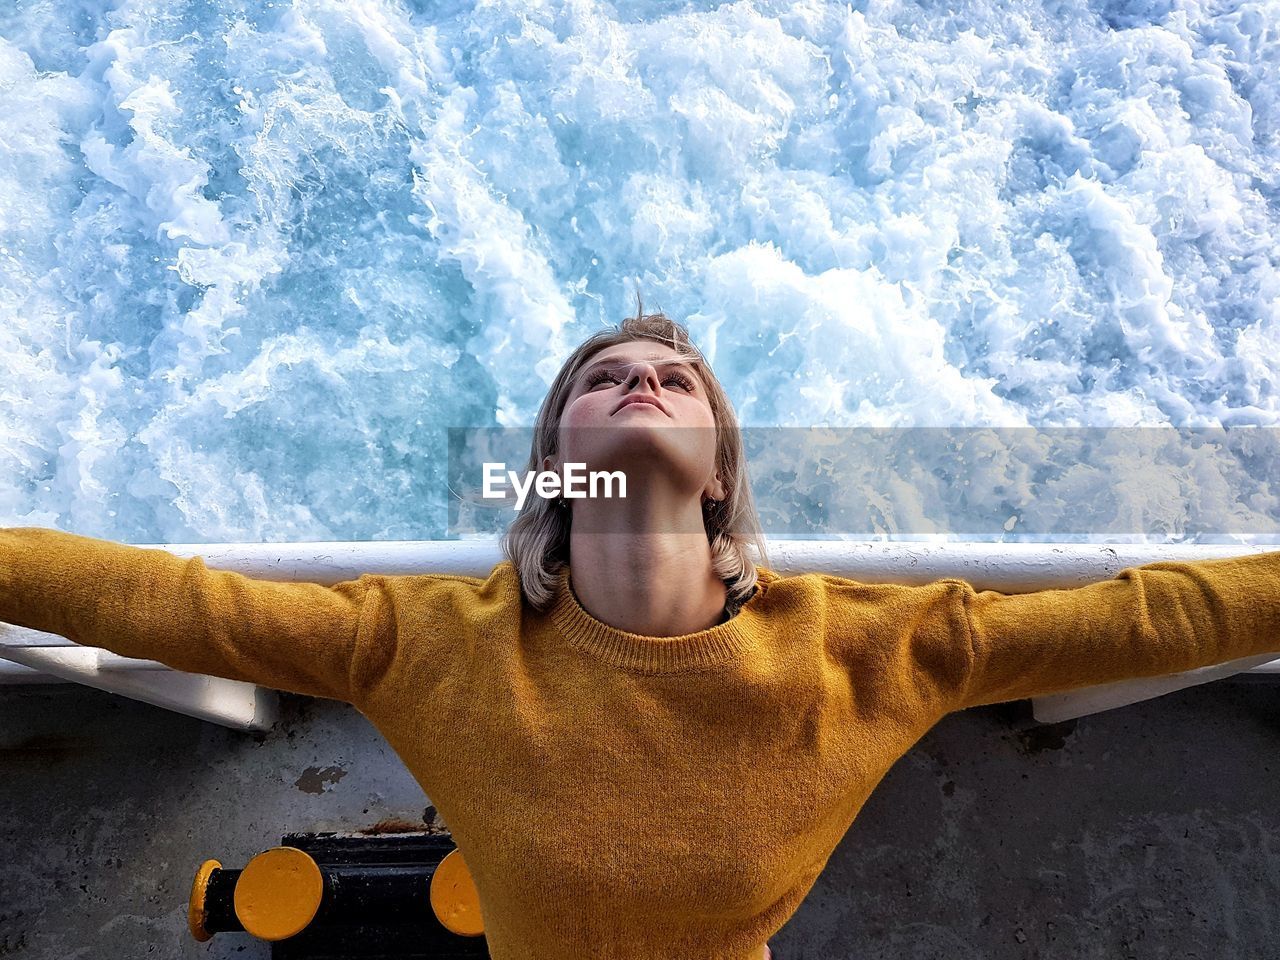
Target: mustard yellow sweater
column 625, row 797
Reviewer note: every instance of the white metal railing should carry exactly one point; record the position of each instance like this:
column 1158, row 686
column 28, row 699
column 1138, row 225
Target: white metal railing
column 28, row 656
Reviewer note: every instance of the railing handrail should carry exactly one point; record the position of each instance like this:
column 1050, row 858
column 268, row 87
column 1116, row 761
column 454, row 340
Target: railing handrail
column 1013, row 567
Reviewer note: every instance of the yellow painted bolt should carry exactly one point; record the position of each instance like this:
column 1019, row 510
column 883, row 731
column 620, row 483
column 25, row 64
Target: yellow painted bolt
column 197, row 910
column 278, row 893
column 454, row 897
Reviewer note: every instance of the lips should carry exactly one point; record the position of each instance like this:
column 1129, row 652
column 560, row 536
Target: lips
column 641, row 398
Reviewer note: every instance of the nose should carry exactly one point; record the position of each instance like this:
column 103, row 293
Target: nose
column 642, row 372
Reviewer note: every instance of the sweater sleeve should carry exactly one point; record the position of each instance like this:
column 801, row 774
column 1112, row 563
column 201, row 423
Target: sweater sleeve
column 153, row 605
column 1154, row 620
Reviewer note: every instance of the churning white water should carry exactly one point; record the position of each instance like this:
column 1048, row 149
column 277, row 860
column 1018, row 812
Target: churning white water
column 257, row 257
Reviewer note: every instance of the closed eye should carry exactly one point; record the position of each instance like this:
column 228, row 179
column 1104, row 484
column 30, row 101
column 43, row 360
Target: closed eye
column 602, row 375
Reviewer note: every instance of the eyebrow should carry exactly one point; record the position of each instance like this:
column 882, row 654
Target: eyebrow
column 664, row 362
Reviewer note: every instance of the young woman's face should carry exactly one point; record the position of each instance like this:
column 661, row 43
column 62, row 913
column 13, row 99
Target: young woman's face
column 673, row 435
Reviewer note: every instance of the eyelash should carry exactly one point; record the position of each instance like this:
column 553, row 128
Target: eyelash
column 601, row 375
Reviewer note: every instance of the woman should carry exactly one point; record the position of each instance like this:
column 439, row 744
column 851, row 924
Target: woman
column 644, row 744
column 642, row 400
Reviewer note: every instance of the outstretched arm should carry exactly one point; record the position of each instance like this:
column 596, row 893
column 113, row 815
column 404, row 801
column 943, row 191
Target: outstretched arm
column 1153, row 620
column 150, row 604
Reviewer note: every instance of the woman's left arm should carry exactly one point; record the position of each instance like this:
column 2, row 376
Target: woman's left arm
column 1157, row 619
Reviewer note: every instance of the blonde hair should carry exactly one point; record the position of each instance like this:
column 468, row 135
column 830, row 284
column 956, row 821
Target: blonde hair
column 537, row 541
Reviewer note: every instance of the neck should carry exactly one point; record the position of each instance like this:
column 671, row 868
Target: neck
column 655, row 584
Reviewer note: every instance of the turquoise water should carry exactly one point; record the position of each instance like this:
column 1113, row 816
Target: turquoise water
column 256, row 258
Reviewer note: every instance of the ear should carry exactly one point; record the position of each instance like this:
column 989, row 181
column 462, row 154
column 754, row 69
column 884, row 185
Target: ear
column 716, row 490
column 548, row 465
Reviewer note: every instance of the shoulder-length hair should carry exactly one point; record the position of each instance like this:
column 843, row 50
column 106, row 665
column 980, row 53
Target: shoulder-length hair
column 537, row 541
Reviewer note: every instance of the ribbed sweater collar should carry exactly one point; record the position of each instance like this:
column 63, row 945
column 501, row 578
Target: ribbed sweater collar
column 634, row 651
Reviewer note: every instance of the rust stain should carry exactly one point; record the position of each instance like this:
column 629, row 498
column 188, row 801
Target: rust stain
column 392, row 825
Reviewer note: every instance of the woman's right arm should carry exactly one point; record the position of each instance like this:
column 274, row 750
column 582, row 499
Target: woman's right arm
column 150, row 604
